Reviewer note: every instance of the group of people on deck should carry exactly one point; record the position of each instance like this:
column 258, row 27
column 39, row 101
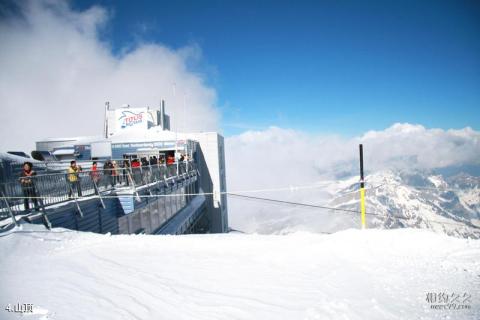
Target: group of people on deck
column 110, row 175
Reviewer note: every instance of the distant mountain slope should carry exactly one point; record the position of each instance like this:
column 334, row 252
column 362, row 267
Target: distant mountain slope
column 416, row 199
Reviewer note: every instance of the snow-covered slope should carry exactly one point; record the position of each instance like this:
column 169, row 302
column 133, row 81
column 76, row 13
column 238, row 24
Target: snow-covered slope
column 354, row 274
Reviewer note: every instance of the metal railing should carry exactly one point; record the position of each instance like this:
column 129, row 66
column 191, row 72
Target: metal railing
column 53, row 188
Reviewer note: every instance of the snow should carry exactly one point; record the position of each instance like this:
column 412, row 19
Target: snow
column 353, row 274
column 397, row 201
column 437, row 181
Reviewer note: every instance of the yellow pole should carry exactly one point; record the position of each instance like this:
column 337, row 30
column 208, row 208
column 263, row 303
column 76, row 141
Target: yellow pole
column 362, row 189
column 362, row 205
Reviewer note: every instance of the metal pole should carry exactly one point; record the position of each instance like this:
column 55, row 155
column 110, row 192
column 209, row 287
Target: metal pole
column 134, row 187
column 362, row 188
column 7, row 206
column 97, row 192
column 105, row 124
column 75, row 199
column 162, row 114
column 46, row 221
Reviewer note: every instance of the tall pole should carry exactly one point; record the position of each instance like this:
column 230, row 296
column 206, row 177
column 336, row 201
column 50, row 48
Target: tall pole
column 176, row 123
column 162, row 114
column 362, row 188
column 184, row 111
column 105, row 124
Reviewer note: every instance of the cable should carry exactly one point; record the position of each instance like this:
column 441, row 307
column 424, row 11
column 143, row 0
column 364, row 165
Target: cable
column 237, row 194
column 344, row 211
column 291, row 188
column 294, row 203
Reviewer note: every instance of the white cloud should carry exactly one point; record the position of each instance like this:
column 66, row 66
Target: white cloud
column 281, row 157
column 285, row 156
column 57, row 74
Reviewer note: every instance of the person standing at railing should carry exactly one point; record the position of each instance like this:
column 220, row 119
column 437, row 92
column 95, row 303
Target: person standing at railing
column 154, row 167
column 94, row 174
column 115, row 172
column 137, row 174
column 145, row 171
column 73, row 178
column 126, row 168
column 107, row 173
column 28, row 186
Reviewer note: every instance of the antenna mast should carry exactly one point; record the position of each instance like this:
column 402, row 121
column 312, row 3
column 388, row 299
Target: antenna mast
column 105, row 124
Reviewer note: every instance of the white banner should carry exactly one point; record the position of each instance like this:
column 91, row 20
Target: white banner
column 131, row 119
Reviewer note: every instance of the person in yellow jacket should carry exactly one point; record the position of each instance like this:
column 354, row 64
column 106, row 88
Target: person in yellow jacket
column 73, row 178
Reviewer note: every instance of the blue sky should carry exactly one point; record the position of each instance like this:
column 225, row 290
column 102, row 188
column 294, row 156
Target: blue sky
column 321, row 66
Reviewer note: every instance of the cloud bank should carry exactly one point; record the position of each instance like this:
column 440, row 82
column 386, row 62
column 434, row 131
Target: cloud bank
column 57, row 73
column 279, row 156
column 282, row 157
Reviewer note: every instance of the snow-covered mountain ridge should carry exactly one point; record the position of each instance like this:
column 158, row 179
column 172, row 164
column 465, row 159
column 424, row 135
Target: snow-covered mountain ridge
column 449, row 204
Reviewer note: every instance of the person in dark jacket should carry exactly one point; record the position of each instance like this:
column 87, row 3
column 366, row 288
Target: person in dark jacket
column 28, row 186
column 107, row 173
column 126, row 171
column 115, row 173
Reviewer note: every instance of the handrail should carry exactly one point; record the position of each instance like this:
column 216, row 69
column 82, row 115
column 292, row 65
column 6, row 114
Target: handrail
column 56, row 188
column 12, row 216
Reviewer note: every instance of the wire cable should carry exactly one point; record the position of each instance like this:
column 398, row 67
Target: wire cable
column 346, row 211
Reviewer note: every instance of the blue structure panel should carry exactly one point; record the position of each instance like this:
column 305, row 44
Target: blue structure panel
column 127, row 215
column 184, row 218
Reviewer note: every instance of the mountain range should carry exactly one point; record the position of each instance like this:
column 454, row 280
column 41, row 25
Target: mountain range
column 448, row 203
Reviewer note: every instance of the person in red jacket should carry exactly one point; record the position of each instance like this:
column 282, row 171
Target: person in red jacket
column 137, row 174
column 94, row 172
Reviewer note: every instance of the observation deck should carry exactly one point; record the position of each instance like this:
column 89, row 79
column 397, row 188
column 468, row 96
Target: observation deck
column 151, row 198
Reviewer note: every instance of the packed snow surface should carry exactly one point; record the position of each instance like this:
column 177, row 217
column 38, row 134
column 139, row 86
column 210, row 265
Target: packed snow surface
column 353, row 274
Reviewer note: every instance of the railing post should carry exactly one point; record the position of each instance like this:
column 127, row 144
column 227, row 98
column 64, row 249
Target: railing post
column 177, row 162
column 165, row 173
column 141, row 173
column 97, row 192
column 46, row 222
column 129, row 176
column 75, row 199
column 12, row 216
column 149, row 179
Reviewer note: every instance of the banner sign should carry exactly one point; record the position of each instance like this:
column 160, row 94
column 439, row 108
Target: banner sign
column 131, row 119
column 157, row 144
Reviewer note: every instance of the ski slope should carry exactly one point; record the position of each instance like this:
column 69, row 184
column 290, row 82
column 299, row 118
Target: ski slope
column 353, row 274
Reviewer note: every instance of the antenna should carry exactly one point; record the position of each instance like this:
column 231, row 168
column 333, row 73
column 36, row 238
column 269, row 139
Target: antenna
column 176, row 129
column 162, row 114
column 105, row 124
column 184, row 111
